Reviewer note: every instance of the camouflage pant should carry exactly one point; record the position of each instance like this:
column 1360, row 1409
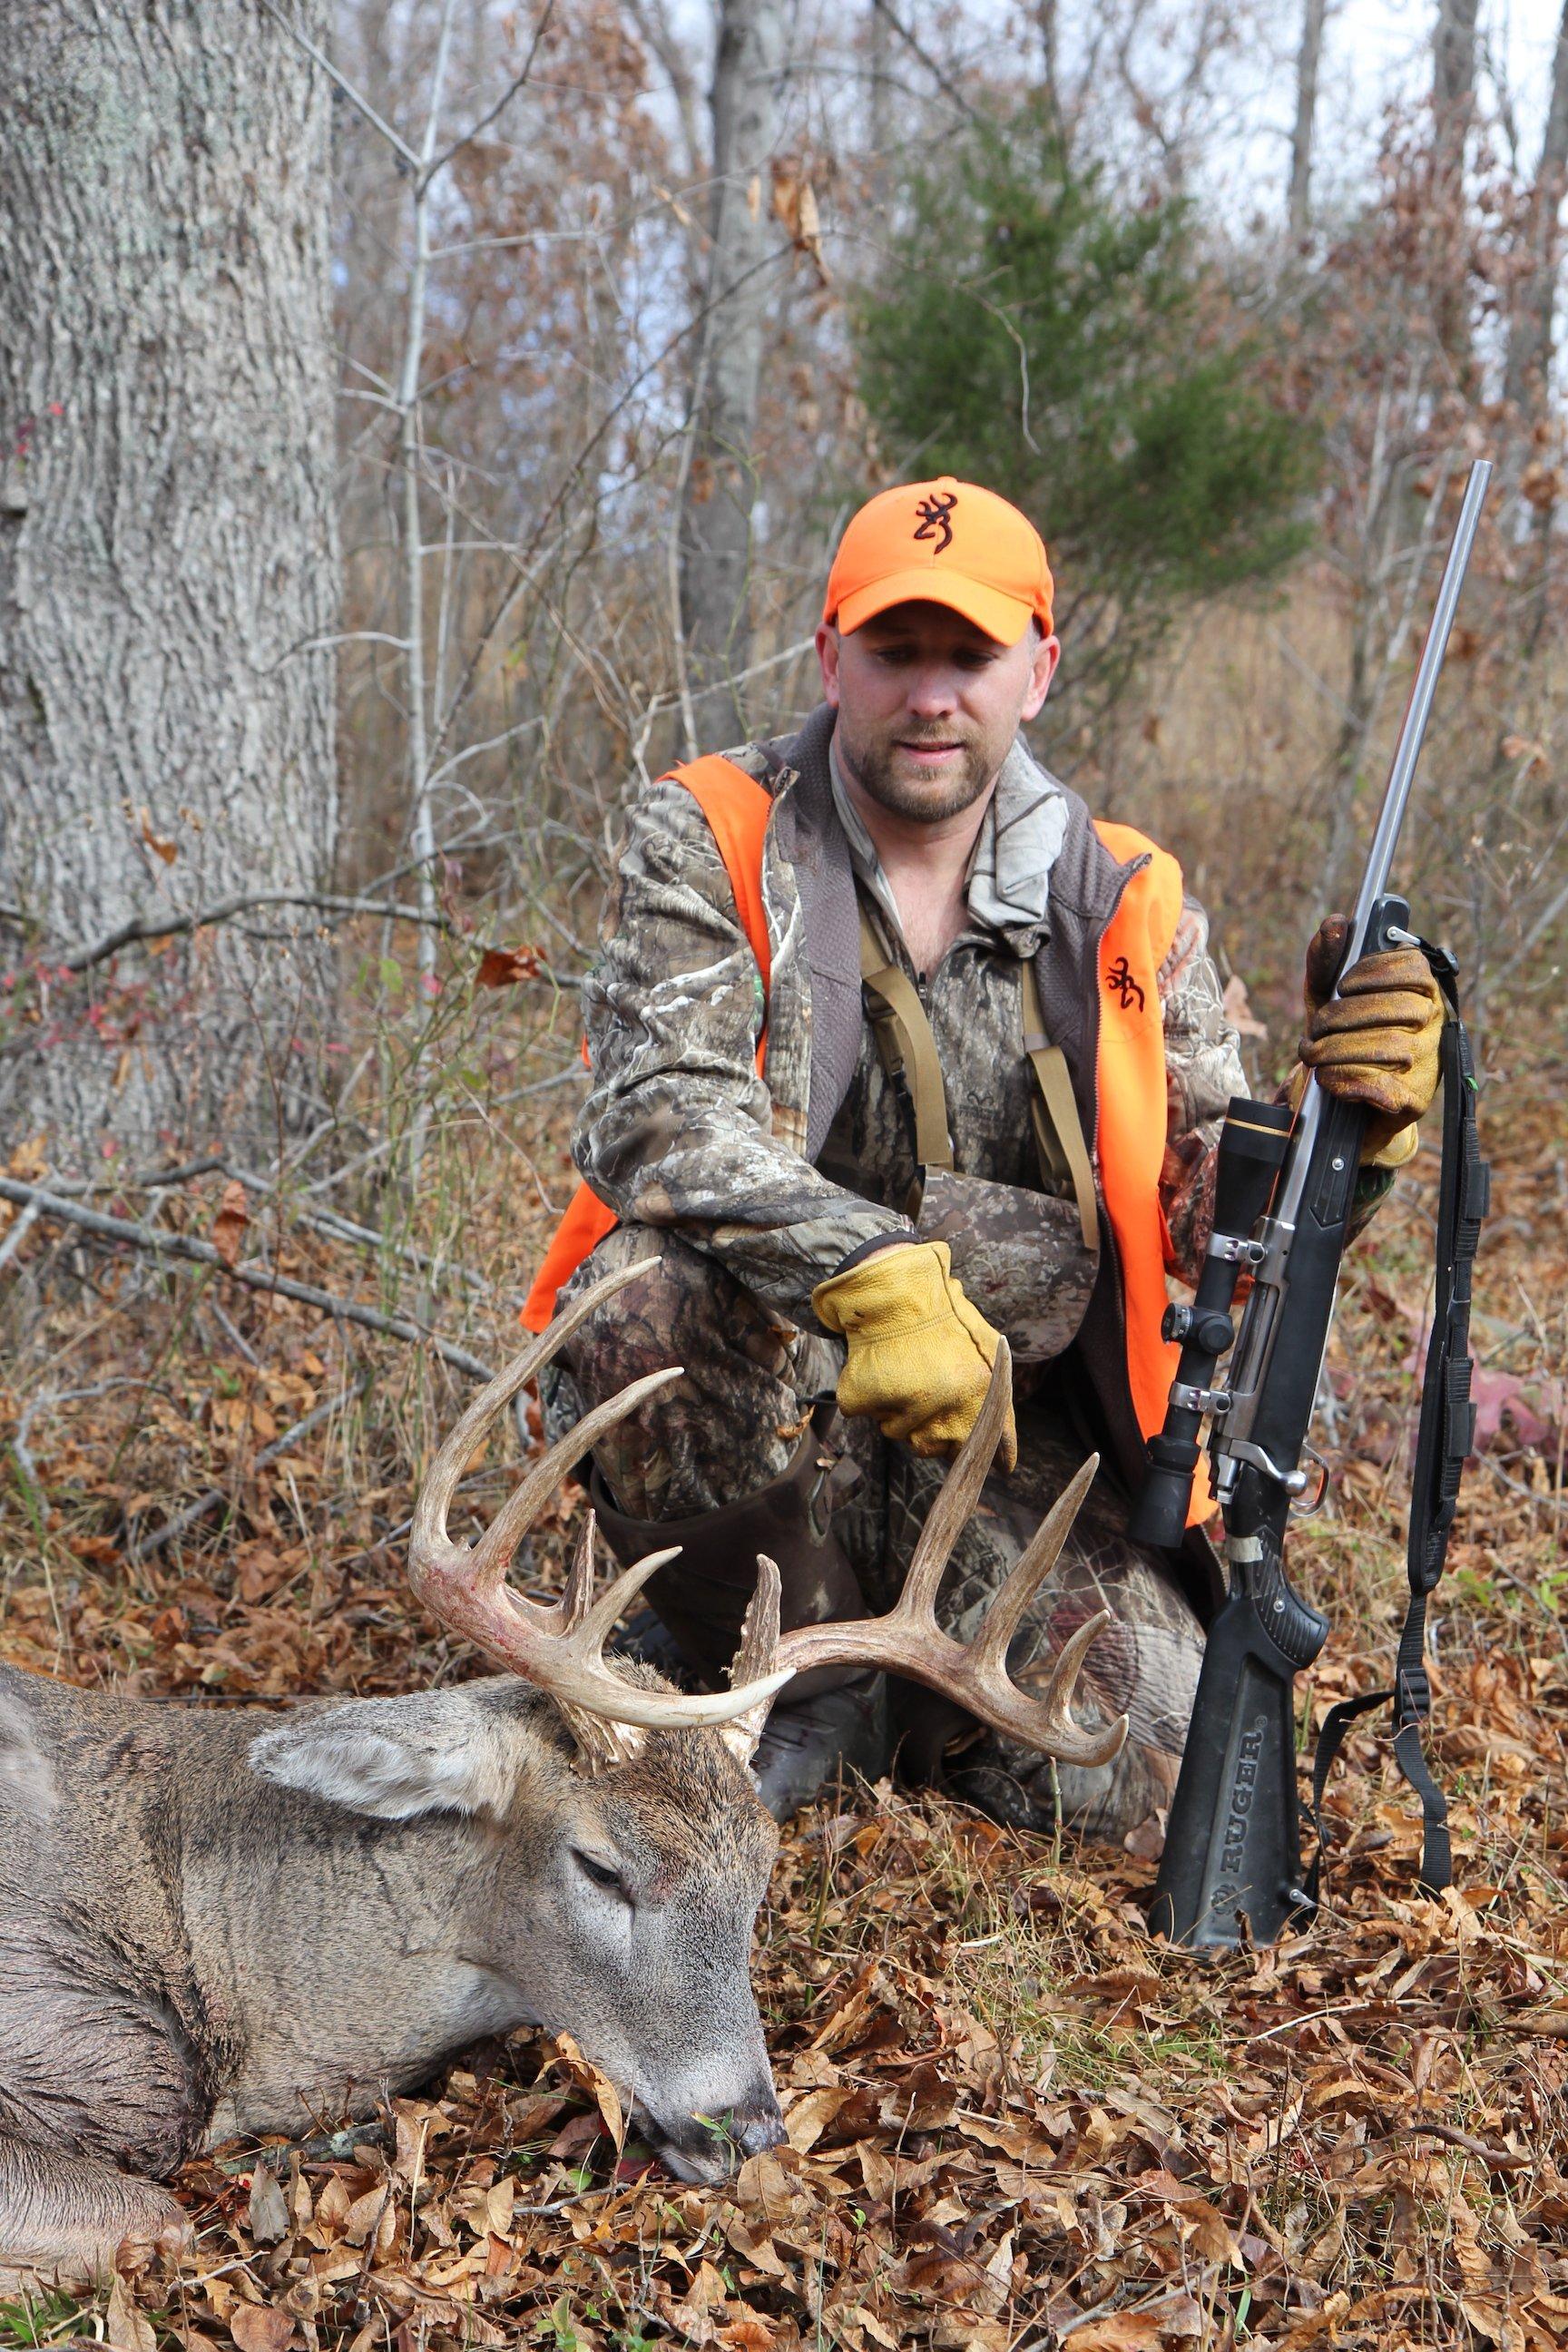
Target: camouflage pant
column 734, row 1422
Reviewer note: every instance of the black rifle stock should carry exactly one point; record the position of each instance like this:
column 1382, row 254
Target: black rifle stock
column 1284, row 1195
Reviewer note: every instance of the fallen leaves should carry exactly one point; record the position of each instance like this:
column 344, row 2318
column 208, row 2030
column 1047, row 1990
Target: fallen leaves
column 1012, row 2121
column 228, row 1226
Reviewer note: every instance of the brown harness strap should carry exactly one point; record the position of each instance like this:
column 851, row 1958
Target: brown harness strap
column 907, row 1050
column 1058, row 1130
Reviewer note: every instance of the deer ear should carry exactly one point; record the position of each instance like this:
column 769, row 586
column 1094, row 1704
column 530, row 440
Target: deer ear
column 440, row 1752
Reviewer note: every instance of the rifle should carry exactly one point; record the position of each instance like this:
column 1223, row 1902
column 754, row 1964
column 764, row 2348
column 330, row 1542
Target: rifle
column 1285, row 1187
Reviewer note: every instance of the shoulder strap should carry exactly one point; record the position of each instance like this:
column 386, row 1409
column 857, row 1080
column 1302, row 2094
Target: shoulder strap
column 1058, row 1130
column 1445, row 1436
column 905, row 1042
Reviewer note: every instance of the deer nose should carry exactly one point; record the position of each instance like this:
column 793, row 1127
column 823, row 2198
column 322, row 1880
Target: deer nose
column 757, row 2123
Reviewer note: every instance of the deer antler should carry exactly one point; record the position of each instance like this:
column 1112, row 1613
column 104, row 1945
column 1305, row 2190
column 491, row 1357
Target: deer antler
column 907, row 1640
column 558, row 1646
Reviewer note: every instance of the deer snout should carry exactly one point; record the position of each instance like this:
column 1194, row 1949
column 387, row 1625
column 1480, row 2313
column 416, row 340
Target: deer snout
column 758, row 2123
column 709, row 2147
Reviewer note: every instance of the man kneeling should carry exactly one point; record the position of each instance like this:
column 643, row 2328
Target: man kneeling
column 894, row 1048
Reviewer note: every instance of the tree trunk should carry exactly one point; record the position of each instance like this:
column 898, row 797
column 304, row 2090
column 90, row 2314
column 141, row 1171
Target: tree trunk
column 1529, row 335
column 1307, row 63
column 167, row 556
column 721, row 483
column 1454, row 68
column 1528, row 374
column 1453, row 109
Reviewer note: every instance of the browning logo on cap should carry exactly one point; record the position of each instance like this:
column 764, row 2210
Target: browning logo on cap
column 933, row 513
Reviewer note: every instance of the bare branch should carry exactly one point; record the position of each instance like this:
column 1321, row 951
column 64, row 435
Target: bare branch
column 519, row 82
column 354, row 97
column 263, row 1278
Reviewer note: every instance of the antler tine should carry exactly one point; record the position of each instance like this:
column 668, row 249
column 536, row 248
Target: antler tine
column 594, row 1630
column 579, row 1592
column 435, row 1496
column 990, row 1646
column 957, row 1496
column 559, row 1647
column 760, row 1626
column 491, row 1556
column 908, row 1641
column 757, row 1653
column 1058, row 1732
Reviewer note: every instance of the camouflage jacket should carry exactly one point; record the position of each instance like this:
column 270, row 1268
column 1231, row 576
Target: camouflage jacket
column 680, row 1131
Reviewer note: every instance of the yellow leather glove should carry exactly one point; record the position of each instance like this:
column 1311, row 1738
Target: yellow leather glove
column 1376, row 1041
column 920, row 1354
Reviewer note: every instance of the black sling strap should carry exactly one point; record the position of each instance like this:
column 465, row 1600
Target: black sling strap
column 1443, row 1439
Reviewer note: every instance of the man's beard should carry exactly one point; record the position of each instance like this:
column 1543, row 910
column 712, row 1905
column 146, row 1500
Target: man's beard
column 912, row 796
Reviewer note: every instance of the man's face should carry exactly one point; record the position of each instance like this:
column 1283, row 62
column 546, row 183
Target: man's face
column 928, row 705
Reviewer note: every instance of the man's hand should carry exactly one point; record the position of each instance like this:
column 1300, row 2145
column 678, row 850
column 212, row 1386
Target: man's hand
column 920, row 1354
column 1376, row 1041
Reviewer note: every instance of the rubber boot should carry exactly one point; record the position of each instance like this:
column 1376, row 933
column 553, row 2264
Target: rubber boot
column 835, row 1717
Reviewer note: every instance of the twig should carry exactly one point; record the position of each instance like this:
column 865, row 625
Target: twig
column 144, row 1547
column 165, row 927
column 1499, row 2159
column 337, row 1227
column 120, row 1229
column 518, row 82
column 349, row 91
column 19, row 1232
column 938, row 75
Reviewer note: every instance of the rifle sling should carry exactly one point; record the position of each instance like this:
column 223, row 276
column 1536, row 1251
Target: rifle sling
column 1444, row 1437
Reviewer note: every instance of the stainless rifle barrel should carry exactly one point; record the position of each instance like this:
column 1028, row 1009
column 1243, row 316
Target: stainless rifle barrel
column 1395, row 800
column 1418, row 710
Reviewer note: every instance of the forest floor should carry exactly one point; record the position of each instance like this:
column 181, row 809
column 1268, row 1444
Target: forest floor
column 1015, row 2121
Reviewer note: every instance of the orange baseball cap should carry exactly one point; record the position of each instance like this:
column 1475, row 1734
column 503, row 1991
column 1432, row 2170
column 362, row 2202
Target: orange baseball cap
column 942, row 543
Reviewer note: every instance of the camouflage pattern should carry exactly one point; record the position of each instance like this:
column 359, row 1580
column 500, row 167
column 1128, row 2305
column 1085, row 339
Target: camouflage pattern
column 732, row 1422
column 704, row 1163
column 679, row 1131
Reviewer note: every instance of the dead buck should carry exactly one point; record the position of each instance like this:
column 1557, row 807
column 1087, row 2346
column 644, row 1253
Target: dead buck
column 216, row 1923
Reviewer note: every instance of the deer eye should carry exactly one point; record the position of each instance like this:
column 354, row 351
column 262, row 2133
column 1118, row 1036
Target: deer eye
column 602, row 1874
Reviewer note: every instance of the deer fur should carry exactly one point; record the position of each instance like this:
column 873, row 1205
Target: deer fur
column 215, row 1923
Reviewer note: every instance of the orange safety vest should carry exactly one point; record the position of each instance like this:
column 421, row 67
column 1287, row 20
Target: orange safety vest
column 1130, row 1077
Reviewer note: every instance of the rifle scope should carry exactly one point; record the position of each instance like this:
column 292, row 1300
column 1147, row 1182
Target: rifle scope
column 1252, row 1147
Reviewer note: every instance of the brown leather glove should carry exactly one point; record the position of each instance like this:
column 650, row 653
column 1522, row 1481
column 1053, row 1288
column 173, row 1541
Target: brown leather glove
column 1376, row 1041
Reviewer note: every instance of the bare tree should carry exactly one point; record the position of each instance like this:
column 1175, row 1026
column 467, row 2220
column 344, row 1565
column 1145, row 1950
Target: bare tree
column 1454, row 68
column 1453, row 109
column 719, row 489
column 1530, row 337
column 168, row 566
column 1307, row 62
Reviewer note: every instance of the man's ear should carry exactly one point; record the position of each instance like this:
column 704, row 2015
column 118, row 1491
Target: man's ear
column 1042, row 669
column 440, row 1751
column 828, row 660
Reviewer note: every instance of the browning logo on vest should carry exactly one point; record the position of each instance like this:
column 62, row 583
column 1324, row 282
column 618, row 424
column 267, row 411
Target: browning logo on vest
column 1129, row 1076
column 1122, row 986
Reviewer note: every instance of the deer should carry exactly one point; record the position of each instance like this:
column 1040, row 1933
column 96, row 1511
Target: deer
column 226, row 1924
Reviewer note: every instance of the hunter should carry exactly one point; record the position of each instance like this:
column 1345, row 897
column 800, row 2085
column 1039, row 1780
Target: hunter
column 894, row 1048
